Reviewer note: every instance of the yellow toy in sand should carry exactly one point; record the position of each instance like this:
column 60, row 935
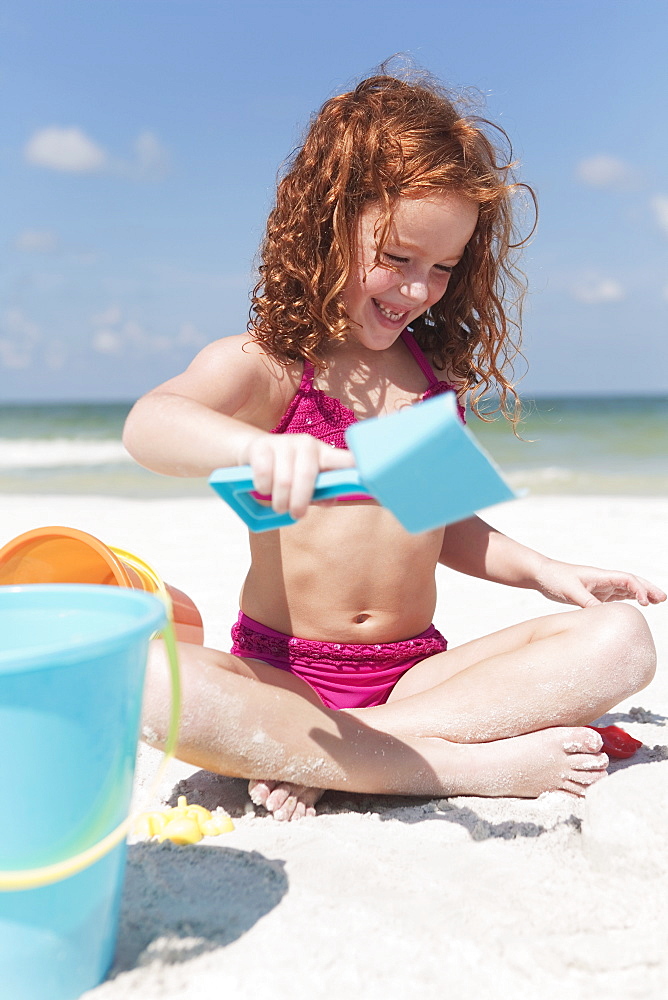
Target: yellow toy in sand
column 182, row 824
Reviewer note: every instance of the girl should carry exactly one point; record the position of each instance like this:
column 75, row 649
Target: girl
column 385, row 265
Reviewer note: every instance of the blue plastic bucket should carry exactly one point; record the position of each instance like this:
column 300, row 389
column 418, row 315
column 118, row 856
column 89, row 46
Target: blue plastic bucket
column 72, row 663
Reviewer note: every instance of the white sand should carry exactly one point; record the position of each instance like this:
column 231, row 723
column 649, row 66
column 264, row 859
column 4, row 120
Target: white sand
column 393, row 898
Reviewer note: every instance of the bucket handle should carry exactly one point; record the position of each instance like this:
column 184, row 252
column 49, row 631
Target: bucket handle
column 32, row 878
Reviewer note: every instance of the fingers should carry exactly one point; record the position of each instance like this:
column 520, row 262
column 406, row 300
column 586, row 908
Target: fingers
column 629, row 587
column 305, row 468
column 642, row 595
column 604, row 586
column 652, row 593
column 285, row 468
column 336, row 458
column 633, row 587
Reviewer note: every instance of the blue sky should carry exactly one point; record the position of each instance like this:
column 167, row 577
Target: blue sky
column 141, row 141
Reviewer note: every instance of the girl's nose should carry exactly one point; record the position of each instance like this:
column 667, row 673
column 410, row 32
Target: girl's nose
column 416, row 289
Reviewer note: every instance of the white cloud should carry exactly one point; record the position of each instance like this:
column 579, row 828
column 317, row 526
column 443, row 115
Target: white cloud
column 605, row 171
column 107, row 342
column 190, row 336
column 660, row 206
column 143, row 340
column 16, row 323
column 152, row 157
column 108, row 317
column 116, row 334
column 37, row 241
column 67, row 149
column 13, row 355
column 134, row 332
column 55, row 355
column 594, row 290
column 18, row 338
column 71, row 150
column 149, row 163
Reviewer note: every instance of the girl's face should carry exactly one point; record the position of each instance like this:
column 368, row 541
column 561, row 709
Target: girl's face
column 426, row 241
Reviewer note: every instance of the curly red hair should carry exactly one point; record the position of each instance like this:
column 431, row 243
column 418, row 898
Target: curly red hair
column 385, row 139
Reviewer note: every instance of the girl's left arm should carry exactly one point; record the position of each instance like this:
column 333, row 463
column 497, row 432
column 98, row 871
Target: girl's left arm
column 477, row 549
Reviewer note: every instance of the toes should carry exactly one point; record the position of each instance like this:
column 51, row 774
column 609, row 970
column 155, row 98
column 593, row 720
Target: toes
column 284, row 813
column 293, row 808
column 284, row 801
column 259, row 791
column 297, row 806
column 278, row 797
column 586, row 778
column 590, row 762
column 583, row 741
column 578, row 786
column 573, row 789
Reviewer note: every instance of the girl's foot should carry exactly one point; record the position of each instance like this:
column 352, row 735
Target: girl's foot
column 567, row 759
column 283, row 800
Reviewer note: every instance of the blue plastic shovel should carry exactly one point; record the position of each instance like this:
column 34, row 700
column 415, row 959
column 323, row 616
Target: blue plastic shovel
column 420, row 462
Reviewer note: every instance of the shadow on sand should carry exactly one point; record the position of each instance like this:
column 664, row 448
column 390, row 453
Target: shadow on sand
column 179, row 902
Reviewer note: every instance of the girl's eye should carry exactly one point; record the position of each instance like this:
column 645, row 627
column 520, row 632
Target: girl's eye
column 394, row 259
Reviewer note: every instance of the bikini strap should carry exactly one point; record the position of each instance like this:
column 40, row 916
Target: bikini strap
column 308, row 374
column 417, row 352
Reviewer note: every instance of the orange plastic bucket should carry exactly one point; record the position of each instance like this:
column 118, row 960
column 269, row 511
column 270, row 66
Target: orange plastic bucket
column 67, row 555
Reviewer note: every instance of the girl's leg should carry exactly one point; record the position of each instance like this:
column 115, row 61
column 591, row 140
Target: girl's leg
column 511, row 693
column 244, row 718
column 564, row 669
column 479, row 731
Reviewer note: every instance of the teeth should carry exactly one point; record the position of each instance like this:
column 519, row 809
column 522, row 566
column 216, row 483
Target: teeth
column 388, row 312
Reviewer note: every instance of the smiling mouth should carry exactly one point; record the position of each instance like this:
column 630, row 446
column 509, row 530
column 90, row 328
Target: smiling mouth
column 394, row 317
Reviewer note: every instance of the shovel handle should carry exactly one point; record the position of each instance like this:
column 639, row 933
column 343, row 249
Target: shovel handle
column 235, row 486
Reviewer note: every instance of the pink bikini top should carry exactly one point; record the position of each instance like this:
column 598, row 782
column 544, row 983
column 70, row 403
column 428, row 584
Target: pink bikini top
column 326, row 418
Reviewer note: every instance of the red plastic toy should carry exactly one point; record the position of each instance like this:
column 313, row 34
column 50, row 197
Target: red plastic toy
column 617, row 742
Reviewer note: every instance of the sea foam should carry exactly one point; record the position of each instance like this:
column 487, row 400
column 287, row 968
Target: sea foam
column 36, row 453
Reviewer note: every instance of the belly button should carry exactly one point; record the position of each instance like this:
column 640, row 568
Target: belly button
column 361, row 619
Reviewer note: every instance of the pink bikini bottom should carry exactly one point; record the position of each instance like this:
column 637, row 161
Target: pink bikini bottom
column 343, row 674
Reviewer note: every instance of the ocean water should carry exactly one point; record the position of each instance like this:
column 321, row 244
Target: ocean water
column 599, row 445
column 587, row 445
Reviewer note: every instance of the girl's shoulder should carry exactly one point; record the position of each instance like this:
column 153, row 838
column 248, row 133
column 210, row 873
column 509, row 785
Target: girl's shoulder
column 238, row 349
column 237, row 376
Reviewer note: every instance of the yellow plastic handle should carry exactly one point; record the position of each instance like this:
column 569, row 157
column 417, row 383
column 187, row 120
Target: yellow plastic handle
column 31, row 878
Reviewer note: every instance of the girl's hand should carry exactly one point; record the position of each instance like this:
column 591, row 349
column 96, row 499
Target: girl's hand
column 586, row 586
column 285, row 467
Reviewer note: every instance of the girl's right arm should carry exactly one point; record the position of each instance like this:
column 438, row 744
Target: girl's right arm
column 218, row 413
